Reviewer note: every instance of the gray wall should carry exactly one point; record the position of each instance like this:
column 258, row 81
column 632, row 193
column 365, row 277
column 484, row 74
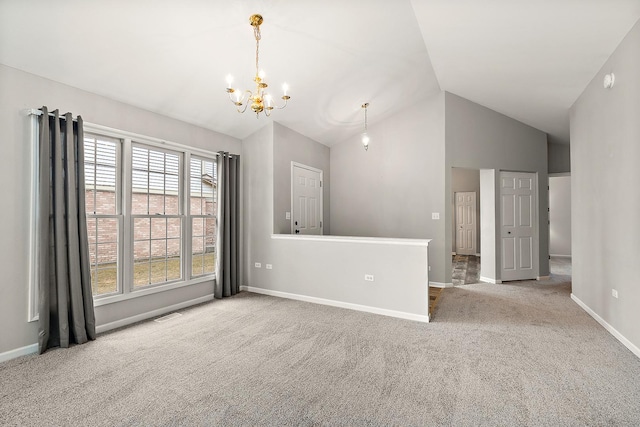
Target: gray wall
column 480, row 138
column 257, row 174
column 560, row 215
column 465, row 180
column 559, row 157
column 318, row 269
column 20, row 91
column 605, row 150
column 291, row 146
column 392, row 189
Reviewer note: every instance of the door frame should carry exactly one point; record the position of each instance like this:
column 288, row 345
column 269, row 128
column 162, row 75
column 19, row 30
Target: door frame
column 310, row 168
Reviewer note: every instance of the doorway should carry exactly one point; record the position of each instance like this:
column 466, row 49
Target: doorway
column 465, row 188
column 560, row 224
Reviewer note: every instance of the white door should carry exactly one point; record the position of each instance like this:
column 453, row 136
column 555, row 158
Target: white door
column 306, row 199
column 518, row 228
column 466, row 223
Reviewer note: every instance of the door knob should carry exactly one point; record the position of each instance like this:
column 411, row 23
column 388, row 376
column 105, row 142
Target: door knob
column 297, row 231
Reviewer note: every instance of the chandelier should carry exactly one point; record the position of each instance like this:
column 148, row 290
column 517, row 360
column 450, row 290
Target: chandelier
column 365, row 135
column 260, row 100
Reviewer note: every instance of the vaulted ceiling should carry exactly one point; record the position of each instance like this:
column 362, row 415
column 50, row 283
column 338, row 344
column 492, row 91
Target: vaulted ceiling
column 528, row 59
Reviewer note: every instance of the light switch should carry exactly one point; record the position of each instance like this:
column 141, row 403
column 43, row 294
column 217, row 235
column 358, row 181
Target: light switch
column 435, row 215
column 287, row 215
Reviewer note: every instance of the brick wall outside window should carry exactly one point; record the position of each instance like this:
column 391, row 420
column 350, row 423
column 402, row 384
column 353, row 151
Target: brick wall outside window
column 107, row 252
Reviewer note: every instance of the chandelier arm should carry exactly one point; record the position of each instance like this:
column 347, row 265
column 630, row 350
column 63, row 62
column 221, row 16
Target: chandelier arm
column 284, row 105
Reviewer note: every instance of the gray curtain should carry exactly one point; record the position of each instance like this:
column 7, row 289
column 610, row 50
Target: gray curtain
column 66, row 304
column 227, row 241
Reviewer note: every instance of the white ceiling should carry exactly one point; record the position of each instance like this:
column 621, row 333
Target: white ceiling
column 527, row 59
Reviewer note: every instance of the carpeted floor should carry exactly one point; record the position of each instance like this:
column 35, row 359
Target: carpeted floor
column 510, row 354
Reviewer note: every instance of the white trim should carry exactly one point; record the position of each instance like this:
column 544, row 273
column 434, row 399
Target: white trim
column 149, row 290
column 340, row 304
column 22, row 351
column 440, row 285
column 32, row 302
column 350, row 239
column 635, row 350
column 543, row 277
column 559, row 174
column 494, row 281
column 560, row 256
column 477, row 254
column 149, row 314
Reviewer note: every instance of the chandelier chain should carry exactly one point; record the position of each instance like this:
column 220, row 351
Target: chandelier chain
column 256, row 33
column 365, row 119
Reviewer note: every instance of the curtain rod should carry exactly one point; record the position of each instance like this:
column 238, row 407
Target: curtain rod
column 37, row 112
column 119, row 133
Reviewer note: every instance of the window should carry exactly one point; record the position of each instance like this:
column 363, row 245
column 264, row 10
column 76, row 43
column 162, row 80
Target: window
column 203, row 208
column 151, row 214
column 157, row 223
column 102, row 198
column 151, row 223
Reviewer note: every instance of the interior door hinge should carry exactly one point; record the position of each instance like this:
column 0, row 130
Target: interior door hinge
column 320, row 224
column 320, row 184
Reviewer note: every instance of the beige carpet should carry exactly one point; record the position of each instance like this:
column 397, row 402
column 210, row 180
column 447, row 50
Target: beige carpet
column 519, row 354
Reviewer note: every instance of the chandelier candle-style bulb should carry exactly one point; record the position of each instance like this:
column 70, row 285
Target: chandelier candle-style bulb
column 260, row 100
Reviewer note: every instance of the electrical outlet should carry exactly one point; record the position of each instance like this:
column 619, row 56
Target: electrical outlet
column 258, row 265
column 614, row 293
column 269, row 267
column 368, row 277
column 435, row 215
column 287, row 215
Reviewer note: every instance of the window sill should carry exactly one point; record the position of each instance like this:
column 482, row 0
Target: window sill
column 100, row 301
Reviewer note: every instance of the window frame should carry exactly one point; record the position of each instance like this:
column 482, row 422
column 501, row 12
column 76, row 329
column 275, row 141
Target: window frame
column 180, row 215
column 128, row 140
column 118, row 215
column 125, row 224
column 190, row 216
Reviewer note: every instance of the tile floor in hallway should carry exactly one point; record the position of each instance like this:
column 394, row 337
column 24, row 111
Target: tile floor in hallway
column 466, row 268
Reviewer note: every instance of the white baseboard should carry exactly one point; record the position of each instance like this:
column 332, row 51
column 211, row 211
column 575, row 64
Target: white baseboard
column 494, row 281
column 560, row 256
column 22, row 351
column 340, row 304
column 543, row 277
column 149, row 314
column 634, row 349
column 440, row 285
